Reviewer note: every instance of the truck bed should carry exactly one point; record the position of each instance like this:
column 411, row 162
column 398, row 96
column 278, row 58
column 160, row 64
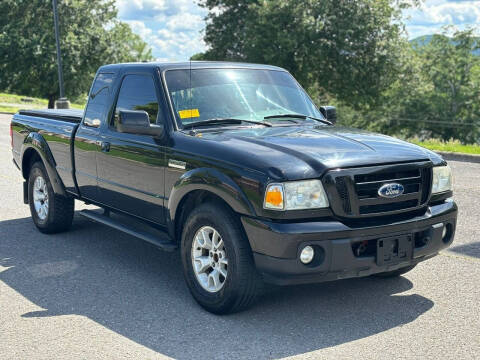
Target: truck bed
column 70, row 115
column 54, row 130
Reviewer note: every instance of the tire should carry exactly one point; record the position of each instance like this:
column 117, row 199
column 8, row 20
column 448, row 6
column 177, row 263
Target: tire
column 242, row 283
column 57, row 215
column 395, row 273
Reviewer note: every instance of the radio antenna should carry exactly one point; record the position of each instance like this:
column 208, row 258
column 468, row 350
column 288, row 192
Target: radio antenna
column 190, row 87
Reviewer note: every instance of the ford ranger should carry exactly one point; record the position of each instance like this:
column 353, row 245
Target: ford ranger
column 235, row 166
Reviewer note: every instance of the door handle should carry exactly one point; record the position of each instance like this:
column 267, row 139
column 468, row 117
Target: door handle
column 105, row 146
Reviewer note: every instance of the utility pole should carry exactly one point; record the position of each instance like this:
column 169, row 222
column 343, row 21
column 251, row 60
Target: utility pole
column 61, row 103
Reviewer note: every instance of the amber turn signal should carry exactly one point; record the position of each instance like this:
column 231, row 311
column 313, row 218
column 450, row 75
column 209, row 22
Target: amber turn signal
column 274, row 197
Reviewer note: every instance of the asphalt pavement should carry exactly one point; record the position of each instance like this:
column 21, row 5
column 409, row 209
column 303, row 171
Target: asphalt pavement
column 96, row 293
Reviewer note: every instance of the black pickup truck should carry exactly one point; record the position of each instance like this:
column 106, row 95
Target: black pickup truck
column 236, row 167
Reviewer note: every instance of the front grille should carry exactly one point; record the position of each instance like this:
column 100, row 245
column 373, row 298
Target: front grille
column 387, row 176
column 368, row 190
column 427, row 183
column 354, row 192
column 343, row 192
column 371, row 209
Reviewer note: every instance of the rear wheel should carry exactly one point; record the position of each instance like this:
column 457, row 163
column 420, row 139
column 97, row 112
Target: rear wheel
column 51, row 212
column 217, row 260
column 395, row 273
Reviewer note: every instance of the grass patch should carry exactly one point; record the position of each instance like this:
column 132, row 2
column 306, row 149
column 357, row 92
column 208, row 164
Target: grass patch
column 77, row 106
column 19, row 99
column 11, row 103
column 449, row 146
column 8, row 109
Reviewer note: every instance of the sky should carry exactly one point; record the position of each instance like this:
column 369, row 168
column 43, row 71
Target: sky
column 173, row 28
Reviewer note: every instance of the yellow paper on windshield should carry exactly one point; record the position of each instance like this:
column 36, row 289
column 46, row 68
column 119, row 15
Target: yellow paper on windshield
column 190, row 113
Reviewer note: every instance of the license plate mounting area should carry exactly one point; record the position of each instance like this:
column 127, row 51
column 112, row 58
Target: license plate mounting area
column 395, row 249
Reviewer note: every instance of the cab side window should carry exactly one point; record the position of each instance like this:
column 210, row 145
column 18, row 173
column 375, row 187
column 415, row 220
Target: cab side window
column 138, row 93
column 98, row 100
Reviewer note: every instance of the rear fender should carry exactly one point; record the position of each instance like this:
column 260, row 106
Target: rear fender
column 35, row 142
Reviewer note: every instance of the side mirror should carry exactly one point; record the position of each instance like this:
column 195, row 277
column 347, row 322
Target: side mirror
column 137, row 122
column 330, row 113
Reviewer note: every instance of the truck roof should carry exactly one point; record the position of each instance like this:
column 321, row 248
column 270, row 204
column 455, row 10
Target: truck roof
column 189, row 64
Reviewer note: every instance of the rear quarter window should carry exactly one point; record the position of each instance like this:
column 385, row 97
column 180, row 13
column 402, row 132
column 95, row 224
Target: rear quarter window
column 98, row 99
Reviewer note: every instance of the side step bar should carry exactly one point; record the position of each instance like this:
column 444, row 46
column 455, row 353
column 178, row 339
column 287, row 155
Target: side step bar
column 161, row 240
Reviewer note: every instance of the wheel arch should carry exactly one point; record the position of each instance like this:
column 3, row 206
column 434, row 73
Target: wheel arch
column 198, row 186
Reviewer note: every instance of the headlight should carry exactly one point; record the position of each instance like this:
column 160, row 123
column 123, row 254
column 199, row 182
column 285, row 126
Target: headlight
column 442, row 179
column 296, row 195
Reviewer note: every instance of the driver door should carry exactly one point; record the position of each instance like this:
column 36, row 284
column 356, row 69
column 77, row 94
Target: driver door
column 131, row 167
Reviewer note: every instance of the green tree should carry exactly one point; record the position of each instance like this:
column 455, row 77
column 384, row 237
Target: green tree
column 436, row 95
column 452, row 97
column 90, row 37
column 345, row 48
column 126, row 46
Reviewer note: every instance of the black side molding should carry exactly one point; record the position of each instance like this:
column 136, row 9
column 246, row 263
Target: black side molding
column 163, row 241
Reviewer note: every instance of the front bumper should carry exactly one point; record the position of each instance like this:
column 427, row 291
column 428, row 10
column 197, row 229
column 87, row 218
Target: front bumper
column 276, row 246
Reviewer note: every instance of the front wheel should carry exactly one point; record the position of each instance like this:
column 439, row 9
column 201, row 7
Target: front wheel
column 51, row 213
column 217, row 260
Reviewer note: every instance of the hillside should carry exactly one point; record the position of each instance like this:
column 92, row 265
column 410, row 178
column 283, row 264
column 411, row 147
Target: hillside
column 423, row 40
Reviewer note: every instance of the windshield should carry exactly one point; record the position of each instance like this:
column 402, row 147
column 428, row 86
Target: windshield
column 248, row 94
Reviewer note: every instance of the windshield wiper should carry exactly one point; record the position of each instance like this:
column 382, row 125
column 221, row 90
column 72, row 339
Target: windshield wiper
column 224, row 121
column 298, row 116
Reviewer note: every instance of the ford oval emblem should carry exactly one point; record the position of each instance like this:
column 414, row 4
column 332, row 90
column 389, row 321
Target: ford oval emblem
column 391, row 190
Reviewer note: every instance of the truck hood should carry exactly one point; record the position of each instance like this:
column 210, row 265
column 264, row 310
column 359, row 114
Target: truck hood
column 307, row 151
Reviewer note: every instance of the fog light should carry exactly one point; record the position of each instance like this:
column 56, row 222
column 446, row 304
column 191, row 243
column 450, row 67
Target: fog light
column 306, row 256
column 447, row 233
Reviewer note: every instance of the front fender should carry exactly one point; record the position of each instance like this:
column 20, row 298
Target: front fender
column 36, row 142
column 213, row 181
